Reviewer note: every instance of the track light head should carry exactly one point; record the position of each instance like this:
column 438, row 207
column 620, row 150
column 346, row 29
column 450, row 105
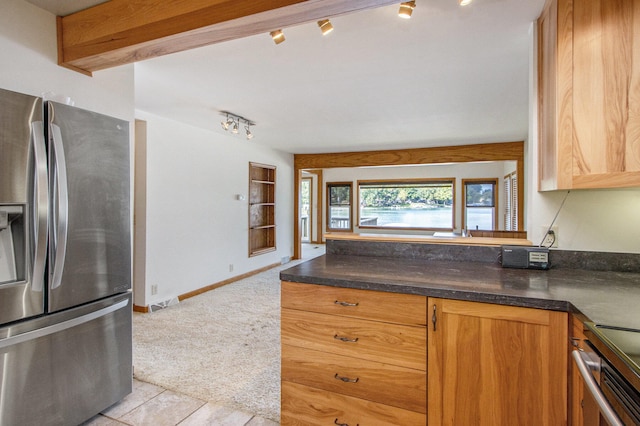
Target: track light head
column 406, row 9
column 325, row 26
column 225, row 124
column 249, row 134
column 277, row 36
column 234, row 129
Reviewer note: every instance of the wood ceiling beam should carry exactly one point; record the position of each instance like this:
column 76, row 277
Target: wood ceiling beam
column 124, row 31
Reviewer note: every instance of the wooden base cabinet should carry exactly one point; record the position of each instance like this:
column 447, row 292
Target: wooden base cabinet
column 360, row 357
column 496, row 365
column 352, row 357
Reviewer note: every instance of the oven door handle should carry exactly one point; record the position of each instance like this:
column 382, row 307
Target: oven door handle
column 595, row 391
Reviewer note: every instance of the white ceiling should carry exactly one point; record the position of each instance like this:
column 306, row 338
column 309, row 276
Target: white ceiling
column 450, row 75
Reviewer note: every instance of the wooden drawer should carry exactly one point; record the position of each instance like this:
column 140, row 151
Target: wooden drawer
column 384, row 383
column 366, row 304
column 302, row 405
column 394, row 344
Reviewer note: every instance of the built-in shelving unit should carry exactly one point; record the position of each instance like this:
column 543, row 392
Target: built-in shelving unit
column 262, row 208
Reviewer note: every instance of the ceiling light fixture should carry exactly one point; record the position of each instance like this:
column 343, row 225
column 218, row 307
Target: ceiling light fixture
column 406, row 9
column 226, row 123
column 233, row 121
column 277, row 36
column 464, row 2
column 325, row 26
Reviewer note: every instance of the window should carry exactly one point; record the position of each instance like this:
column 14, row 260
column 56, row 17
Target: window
column 480, row 201
column 414, row 204
column 511, row 202
column 339, row 195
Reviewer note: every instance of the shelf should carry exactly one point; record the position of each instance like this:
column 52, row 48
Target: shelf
column 262, row 207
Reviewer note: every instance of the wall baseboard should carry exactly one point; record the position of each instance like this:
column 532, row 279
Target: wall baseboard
column 145, row 309
column 142, row 309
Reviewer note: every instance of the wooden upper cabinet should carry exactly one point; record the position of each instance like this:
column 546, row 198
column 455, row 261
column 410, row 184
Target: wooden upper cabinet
column 589, row 94
column 496, row 365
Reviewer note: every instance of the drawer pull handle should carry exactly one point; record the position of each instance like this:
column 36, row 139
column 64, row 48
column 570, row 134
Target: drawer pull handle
column 342, row 424
column 345, row 339
column 341, row 303
column 346, row 379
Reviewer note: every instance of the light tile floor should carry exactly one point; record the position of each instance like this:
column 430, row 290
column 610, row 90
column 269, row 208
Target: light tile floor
column 155, row 406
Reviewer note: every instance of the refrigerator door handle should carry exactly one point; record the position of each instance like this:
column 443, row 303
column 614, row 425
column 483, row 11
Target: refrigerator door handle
column 61, row 326
column 41, row 203
column 61, row 212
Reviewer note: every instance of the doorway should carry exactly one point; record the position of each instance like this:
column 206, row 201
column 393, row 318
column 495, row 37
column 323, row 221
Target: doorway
column 306, row 201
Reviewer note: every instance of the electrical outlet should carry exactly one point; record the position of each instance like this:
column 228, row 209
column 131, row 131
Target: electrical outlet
column 551, row 238
column 154, row 289
column 231, row 267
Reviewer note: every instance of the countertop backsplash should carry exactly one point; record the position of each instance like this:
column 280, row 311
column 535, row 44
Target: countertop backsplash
column 565, row 259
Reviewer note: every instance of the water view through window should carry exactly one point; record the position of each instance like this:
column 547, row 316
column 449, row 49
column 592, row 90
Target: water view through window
column 408, row 217
column 424, row 204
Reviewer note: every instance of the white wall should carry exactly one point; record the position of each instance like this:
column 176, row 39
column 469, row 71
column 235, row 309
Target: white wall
column 459, row 171
column 29, row 64
column 591, row 220
column 195, row 226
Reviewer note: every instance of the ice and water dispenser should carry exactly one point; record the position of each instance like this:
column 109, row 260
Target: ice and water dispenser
column 12, row 243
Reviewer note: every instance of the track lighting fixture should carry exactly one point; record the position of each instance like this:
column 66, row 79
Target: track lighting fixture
column 325, row 26
column 464, row 2
column 232, row 123
column 277, row 36
column 406, row 9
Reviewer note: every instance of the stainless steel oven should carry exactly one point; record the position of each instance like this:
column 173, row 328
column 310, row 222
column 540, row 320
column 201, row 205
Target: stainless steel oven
column 608, row 364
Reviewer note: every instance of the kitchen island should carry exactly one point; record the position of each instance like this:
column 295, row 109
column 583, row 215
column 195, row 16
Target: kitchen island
column 471, row 342
column 604, row 297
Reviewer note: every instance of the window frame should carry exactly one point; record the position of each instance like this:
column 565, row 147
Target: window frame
column 449, row 180
column 329, row 185
column 496, row 200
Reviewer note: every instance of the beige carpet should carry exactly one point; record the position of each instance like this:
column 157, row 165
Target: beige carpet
column 221, row 346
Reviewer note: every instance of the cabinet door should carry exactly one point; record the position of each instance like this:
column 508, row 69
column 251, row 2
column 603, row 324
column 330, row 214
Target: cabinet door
column 496, row 365
column 606, row 93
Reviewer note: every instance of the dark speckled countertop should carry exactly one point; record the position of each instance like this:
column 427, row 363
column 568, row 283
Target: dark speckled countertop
column 604, row 297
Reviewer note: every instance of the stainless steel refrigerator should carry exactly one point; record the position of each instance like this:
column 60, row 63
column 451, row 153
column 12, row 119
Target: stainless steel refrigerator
column 65, row 262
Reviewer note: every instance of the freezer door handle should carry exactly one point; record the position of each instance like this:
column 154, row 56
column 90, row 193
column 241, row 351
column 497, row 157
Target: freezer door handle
column 41, row 203
column 60, row 213
column 61, row 326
